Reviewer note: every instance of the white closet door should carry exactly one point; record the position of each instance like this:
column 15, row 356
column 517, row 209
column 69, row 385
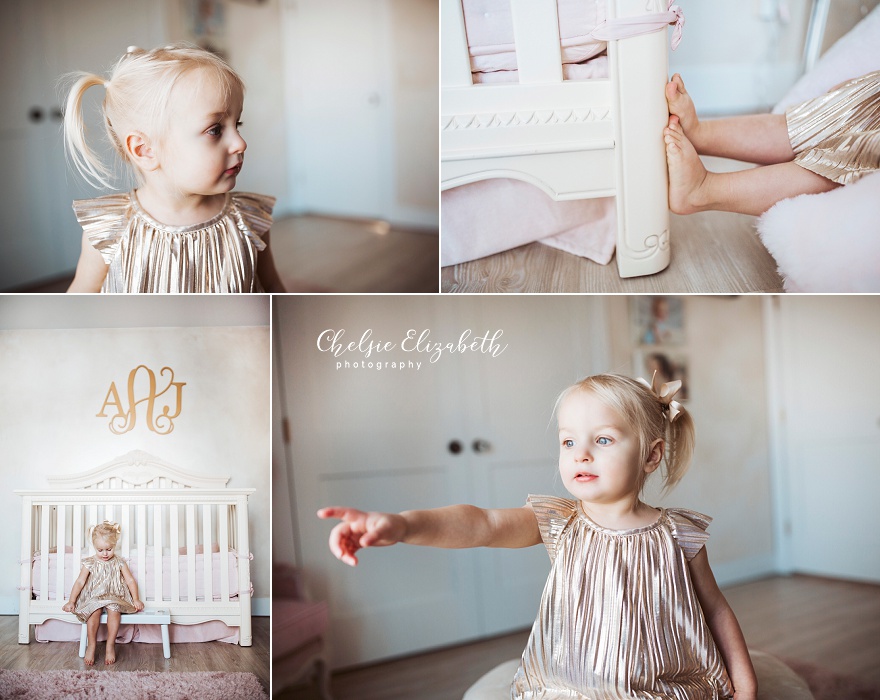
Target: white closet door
column 831, row 433
column 377, row 440
column 40, row 237
column 380, row 439
column 552, row 342
column 339, row 54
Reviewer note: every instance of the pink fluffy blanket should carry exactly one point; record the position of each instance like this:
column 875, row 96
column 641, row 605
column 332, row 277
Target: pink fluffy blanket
column 831, row 242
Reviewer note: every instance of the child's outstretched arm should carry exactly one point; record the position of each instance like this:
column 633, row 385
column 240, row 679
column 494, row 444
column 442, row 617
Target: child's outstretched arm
column 453, row 527
column 725, row 629
column 75, row 590
column 132, row 584
column 90, row 270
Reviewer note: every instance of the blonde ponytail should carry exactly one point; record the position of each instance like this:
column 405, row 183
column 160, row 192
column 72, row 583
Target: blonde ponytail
column 84, row 159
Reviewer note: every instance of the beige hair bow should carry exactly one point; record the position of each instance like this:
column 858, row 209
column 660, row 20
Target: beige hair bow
column 671, row 409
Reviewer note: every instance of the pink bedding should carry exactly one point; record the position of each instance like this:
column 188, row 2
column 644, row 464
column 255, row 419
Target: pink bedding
column 60, row 631
column 149, row 594
column 477, row 219
column 489, row 27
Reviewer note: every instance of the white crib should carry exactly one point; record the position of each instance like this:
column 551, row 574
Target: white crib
column 573, row 139
column 162, row 511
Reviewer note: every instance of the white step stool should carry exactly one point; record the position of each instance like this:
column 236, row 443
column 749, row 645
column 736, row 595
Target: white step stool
column 154, row 617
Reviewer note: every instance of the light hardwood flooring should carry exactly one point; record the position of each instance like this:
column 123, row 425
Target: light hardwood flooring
column 322, row 254
column 833, row 624
column 205, row 656
column 712, row 252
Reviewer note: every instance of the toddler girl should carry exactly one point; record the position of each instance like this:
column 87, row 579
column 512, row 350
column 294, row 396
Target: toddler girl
column 172, row 114
column 825, row 142
column 631, row 608
column 104, row 582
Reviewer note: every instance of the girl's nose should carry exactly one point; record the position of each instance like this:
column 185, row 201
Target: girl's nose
column 584, row 455
column 238, row 145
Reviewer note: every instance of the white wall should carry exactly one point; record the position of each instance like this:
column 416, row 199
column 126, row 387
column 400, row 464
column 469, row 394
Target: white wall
column 59, row 356
column 739, row 57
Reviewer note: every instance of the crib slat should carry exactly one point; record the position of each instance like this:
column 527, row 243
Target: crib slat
column 455, row 61
column 44, row 551
column 208, row 558
column 141, row 541
column 174, row 546
column 60, row 540
column 223, row 541
column 190, row 553
column 536, row 34
column 77, row 539
column 158, row 593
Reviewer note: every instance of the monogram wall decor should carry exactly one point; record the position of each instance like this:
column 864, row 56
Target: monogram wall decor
column 126, row 414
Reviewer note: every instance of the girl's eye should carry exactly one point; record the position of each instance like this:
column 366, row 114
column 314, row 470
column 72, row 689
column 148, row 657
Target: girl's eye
column 568, row 443
column 603, row 441
column 215, row 130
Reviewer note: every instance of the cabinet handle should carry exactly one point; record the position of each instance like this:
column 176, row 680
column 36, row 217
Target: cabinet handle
column 481, row 446
column 455, row 447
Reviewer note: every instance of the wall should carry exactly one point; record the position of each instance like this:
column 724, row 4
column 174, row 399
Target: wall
column 60, row 355
column 730, row 477
column 415, row 67
column 739, row 57
column 253, row 48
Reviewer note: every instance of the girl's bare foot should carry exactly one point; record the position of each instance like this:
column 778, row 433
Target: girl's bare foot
column 89, row 658
column 110, row 653
column 682, row 106
column 688, row 179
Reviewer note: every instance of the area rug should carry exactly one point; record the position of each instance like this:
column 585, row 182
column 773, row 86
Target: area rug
column 827, row 685
column 124, row 685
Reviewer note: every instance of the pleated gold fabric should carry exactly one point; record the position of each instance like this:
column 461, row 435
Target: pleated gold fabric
column 619, row 617
column 837, row 135
column 105, row 588
column 143, row 255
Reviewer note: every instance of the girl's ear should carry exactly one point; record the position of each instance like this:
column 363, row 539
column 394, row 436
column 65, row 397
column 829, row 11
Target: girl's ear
column 141, row 153
column 655, row 455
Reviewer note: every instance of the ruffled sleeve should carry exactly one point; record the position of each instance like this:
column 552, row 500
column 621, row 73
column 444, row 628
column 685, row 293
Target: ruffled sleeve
column 253, row 215
column 553, row 514
column 104, row 220
column 89, row 563
column 689, row 530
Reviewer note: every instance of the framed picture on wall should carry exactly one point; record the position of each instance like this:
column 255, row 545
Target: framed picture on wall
column 657, row 320
column 669, row 363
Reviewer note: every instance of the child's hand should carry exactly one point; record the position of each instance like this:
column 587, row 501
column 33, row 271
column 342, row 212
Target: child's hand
column 138, row 605
column 68, row 606
column 359, row 529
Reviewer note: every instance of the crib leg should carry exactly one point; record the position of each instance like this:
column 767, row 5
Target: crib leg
column 639, row 66
column 166, row 644
column 82, row 640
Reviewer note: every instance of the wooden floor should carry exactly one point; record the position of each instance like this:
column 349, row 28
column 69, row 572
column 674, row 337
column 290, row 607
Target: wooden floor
column 321, row 254
column 206, row 656
column 834, row 624
column 712, row 252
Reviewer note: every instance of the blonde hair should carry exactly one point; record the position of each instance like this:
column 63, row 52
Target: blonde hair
column 107, row 531
column 646, row 415
column 136, row 99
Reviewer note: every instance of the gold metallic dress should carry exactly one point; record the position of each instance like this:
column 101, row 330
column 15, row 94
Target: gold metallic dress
column 619, row 617
column 837, row 135
column 143, row 255
column 105, row 588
